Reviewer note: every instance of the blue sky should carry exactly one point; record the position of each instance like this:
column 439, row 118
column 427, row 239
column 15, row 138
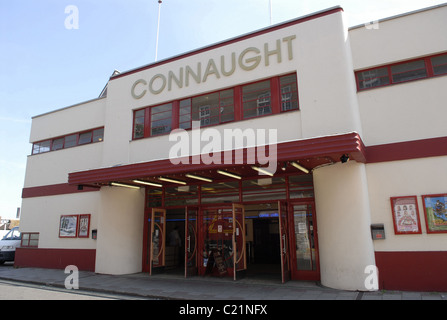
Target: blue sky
column 45, row 66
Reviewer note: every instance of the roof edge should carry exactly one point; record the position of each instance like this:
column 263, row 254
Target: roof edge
column 67, row 107
column 242, row 37
column 401, row 15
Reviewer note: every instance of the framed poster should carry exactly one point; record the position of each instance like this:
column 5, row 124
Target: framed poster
column 84, row 226
column 405, row 215
column 68, row 227
column 435, row 212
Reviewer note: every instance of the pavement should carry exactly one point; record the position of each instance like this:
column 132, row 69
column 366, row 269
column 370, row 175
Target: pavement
column 176, row 287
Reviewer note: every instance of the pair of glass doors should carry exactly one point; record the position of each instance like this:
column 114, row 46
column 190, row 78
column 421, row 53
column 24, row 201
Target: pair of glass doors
column 214, row 241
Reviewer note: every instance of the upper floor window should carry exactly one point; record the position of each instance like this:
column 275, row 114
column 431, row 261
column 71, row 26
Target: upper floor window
column 439, row 64
column 289, row 92
column 75, row 139
column 408, row 71
column 214, row 108
column 161, row 118
column 266, row 97
column 256, row 99
column 402, row 72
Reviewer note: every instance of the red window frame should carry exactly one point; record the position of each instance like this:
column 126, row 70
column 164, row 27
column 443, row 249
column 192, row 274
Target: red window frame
column 249, row 100
column 22, row 244
column 37, row 145
column 163, row 115
column 182, row 109
column 428, row 67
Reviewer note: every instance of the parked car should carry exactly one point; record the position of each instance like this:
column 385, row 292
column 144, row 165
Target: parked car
column 8, row 245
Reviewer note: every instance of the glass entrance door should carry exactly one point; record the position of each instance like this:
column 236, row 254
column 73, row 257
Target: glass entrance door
column 305, row 264
column 191, row 218
column 284, row 241
column 215, row 247
column 221, row 247
column 157, row 239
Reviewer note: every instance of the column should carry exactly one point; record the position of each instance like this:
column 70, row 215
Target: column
column 343, row 218
column 120, row 231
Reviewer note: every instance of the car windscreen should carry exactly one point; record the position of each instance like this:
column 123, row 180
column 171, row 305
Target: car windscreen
column 14, row 234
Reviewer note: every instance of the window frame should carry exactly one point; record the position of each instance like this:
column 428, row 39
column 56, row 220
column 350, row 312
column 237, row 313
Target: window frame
column 29, row 234
column 151, row 116
column 428, row 67
column 183, row 108
column 36, row 145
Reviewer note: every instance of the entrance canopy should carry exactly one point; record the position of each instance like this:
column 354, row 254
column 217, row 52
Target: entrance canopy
column 307, row 153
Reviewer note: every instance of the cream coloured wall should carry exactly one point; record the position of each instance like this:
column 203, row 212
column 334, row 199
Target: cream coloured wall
column 404, row 112
column 159, row 147
column 326, row 84
column 53, row 167
column 407, row 111
column 83, row 116
column 42, row 214
column 415, row 177
column 401, row 38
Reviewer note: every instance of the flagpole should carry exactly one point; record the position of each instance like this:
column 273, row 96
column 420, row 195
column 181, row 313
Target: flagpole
column 270, row 6
column 158, row 29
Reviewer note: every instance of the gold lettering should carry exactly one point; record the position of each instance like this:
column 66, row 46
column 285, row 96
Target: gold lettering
column 248, row 60
column 253, row 61
column 233, row 65
column 132, row 91
column 178, row 81
column 211, row 69
column 289, row 45
column 268, row 53
column 163, row 83
column 196, row 76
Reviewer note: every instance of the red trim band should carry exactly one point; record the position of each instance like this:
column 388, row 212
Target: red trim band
column 84, row 259
column 54, row 190
column 433, row 147
column 412, row 271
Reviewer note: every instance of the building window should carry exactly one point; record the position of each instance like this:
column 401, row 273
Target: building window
column 138, row 126
column 373, row 78
column 41, row 147
column 256, row 99
column 241, row 102
column 213, row 108
column 289, row 92
column 402, row 72
column 161, row 119
column 71, row 140
column 98, row 135
column 408, row 71
column 185, row 114
column 30, row 240
column 85, row 137
column 439, row 64
column 57, row 144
